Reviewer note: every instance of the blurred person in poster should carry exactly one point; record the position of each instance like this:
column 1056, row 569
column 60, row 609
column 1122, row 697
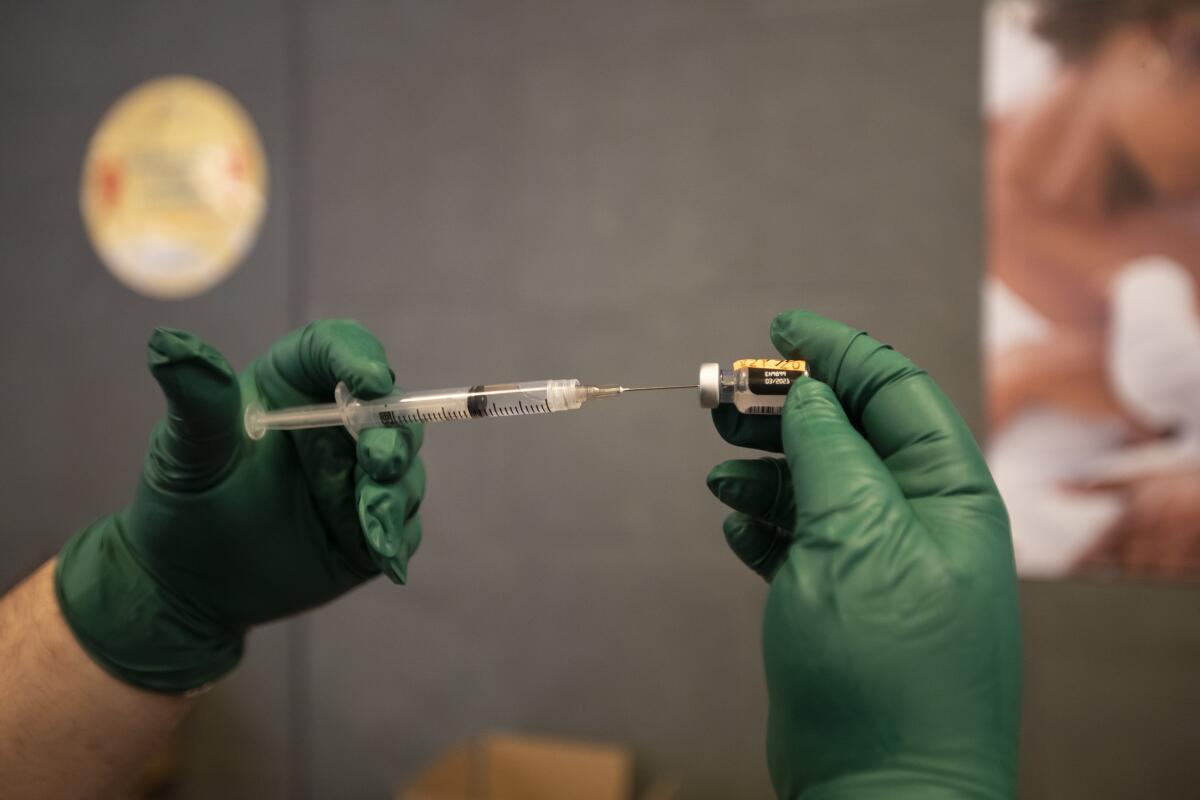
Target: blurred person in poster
column 1092, row 330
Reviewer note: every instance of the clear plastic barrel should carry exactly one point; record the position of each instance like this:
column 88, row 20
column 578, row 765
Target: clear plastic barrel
column 437, row 405
column 442, row 405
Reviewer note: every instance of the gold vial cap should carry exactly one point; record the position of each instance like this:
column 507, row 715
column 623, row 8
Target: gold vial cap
column 771, row 363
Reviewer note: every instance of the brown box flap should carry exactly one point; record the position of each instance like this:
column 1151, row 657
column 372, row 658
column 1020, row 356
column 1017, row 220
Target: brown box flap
column 509, row 767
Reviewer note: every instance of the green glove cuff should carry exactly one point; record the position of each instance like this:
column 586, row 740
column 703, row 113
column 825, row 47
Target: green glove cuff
column 136, row 629
column 910, row 784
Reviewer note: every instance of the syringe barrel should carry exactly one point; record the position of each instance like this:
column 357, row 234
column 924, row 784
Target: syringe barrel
column 464, row 403
column 437, row 405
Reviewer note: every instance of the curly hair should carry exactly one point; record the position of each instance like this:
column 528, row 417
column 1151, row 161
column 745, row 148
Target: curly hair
column 1075, row 27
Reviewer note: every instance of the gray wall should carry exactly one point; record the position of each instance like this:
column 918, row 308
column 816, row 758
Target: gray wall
column 616, row 191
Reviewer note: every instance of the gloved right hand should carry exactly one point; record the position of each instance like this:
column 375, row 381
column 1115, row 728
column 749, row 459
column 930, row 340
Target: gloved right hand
column 891, row 636
column 226, row 533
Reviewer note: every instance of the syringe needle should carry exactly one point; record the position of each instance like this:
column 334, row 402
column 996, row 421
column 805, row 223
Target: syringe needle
column 655, row 388
column 594, row 392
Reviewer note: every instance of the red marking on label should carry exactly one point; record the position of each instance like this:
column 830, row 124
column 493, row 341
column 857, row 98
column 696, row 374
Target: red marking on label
column 237, row 164
column 108, row 176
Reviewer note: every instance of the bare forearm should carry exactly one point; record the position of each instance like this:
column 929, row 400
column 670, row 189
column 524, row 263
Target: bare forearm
column 67, row 728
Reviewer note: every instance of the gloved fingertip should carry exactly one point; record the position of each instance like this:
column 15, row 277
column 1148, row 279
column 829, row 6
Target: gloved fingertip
column 169, row 346
column 169, row 343
column 379, row 535
column 375, row 520
column 734, row 525
column 806, row 390
column 809, row 403
column 390, row 525
column 383, row 452
column 759, row 546
column 396, row 567
column 382, row 375
column 783, row 331
column 373, row 379
column 201, row 434
column 719, row 478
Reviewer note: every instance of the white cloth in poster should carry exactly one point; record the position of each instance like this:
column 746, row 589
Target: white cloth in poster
column 1154, row 366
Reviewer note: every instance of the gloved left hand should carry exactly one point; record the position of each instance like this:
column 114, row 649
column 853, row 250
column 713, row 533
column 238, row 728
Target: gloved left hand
column 891, row 636
column 226, row 533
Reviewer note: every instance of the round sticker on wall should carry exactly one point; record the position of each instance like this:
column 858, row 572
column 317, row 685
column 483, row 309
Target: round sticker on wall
column 174, row 187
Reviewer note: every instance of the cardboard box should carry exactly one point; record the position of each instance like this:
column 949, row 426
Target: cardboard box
column 510, row 767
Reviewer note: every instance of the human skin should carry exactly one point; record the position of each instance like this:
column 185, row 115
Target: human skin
column 1158, row 530
column 67, row 728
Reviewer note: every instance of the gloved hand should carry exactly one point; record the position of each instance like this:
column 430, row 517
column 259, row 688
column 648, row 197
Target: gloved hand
column 226, row 533
column 891, row 635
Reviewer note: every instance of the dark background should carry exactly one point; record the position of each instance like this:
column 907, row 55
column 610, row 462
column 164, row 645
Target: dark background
column 610, row 190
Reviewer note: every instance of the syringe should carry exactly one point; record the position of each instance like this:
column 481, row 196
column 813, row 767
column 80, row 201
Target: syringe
column 437, row 405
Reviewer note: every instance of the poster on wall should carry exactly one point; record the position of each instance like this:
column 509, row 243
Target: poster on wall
column 173, row 187
column 1091, row 319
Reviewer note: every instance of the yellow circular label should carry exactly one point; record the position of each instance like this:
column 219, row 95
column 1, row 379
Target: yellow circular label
column 174, row 187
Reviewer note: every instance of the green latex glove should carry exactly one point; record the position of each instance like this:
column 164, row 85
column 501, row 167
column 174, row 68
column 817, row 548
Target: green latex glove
column 891, row 637
column 226, row 533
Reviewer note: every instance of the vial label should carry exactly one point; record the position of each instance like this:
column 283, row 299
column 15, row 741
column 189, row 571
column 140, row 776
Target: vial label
column 770, row 381
column 763, row 410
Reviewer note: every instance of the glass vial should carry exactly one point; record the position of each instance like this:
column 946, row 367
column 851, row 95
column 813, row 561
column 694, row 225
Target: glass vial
column 752, row 385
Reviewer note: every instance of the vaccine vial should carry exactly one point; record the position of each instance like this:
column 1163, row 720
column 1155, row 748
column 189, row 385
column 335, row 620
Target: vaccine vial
column 753, row 385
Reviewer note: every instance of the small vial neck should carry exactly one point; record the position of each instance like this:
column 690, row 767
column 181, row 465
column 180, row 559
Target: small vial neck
column 728, row 385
